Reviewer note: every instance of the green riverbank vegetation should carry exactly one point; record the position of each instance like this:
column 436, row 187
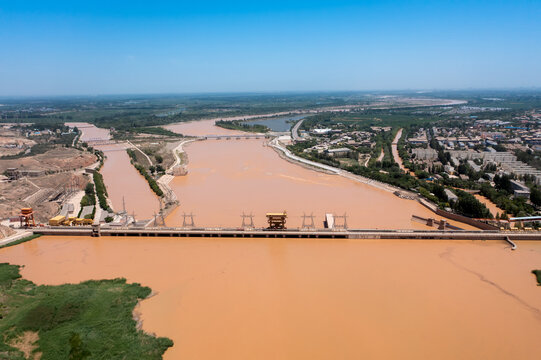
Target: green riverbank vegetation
column 90, row 320
column 537, row 274
column 20, row 241
column 242, row 126
column 143, row 171
column 101, row 191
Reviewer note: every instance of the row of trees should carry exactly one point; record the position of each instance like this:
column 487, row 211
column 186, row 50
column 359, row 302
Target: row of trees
column 101, row 191
column 151, row 182
column 143, row 171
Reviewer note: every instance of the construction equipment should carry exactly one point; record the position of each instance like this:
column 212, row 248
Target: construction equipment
column 277, row 221
column 57, row 220
column 61, row 220
column 69, row 221
column 27, row 217
column 81, row 222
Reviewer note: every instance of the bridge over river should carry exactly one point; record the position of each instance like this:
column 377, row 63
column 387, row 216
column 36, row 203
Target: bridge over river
column 291, row 233
column 235, row 137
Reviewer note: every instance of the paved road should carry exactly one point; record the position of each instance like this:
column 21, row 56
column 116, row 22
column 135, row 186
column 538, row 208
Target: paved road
column 295, row 131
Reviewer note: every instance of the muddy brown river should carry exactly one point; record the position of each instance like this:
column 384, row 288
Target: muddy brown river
column 125, row 186
column 305, row 299
column 227, row 178
column 314, row 299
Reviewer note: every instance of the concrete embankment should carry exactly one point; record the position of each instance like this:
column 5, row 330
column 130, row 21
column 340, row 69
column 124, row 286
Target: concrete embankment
column 332, row 170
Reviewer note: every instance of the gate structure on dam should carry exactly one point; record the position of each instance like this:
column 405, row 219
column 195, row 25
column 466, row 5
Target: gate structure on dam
column 97, row 230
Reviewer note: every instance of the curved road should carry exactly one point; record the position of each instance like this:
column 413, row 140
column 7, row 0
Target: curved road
column 295, row 131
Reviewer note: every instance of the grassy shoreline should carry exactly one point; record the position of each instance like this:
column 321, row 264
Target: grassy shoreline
column 91, row 319
column 242, row 126
column 20, row 241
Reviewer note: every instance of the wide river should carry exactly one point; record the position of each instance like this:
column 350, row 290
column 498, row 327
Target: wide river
column 229, row 177
column 314, row 299
column 306, row 299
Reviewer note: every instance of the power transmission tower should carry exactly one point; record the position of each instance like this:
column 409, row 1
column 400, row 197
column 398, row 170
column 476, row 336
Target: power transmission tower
column 344, row 224
column 308, row 225
column 159, row 219
column 190, row 216
column 244, row 221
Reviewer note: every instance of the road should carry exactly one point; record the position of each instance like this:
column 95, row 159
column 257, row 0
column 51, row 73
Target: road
column 394, row 149
column 295, row 131
column 297, row 233
column 179, row 150
column 381, row 155
column 299, row 160
column 141, row 151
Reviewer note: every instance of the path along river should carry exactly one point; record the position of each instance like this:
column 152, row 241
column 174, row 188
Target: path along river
column 310, row 299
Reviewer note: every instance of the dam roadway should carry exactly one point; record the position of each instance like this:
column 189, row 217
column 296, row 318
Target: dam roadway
column 292, row 233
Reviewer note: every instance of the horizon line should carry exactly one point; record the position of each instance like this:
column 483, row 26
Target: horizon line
column 270, row 92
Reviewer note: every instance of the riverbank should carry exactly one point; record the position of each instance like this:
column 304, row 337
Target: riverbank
column 275, row 144
column 91, row 318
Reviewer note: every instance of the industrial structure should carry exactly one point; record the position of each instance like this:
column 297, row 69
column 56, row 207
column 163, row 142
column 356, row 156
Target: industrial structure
column 26, row 217
column 61, row 220
column 277, row 221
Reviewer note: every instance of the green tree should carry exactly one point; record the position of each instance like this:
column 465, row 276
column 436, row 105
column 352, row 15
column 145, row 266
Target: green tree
column 535, row 196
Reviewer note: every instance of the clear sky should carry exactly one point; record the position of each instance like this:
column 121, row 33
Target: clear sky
column 109, row 47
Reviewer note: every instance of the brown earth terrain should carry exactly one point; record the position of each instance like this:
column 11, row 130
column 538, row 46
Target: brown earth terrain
column 13, row 142
column 57, row 159
column 61, row 176
column 44, row 194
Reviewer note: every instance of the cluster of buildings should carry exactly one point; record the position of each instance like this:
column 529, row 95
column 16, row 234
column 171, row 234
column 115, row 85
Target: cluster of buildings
column 481, row 143
column 338, row 142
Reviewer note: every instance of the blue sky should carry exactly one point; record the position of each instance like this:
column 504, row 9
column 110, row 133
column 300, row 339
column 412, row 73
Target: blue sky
column 110, row 47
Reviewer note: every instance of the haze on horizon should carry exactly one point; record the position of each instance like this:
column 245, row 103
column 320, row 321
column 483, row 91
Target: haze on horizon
column 134, row 47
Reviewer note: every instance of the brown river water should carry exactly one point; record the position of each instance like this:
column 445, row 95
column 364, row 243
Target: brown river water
column 314, row 299
column 124, row 183
column 303, row 299
column 90, row 132
column 227, row 178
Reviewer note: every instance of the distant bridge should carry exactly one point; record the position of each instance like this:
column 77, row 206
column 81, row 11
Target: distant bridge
column 235, row 137
column 98, row 141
